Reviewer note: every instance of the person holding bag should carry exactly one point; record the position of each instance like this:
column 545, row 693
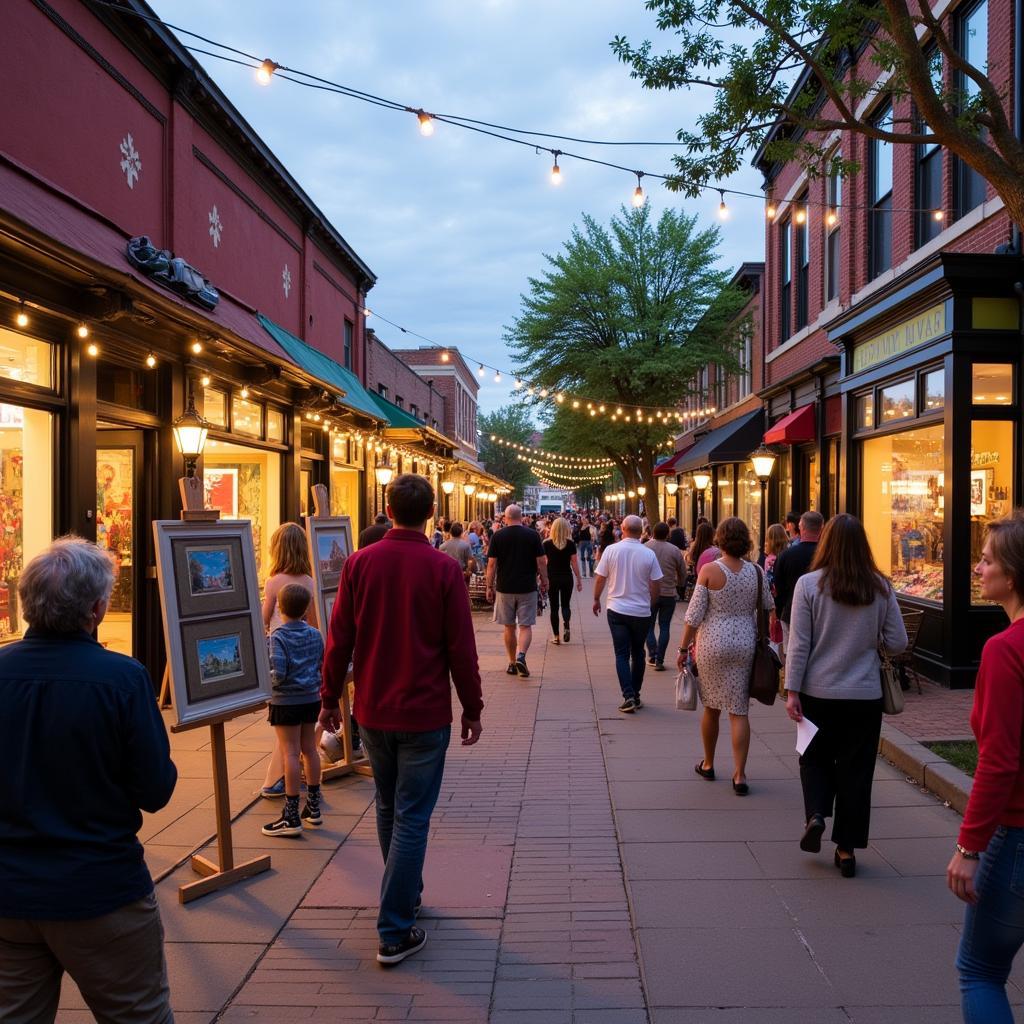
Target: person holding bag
column 843, row 611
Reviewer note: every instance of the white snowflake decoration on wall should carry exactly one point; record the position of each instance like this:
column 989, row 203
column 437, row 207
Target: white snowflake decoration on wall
column 286, row 280
column 216, row 227
column 131, row 161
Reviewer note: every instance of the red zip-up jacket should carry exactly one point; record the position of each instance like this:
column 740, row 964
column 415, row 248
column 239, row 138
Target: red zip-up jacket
column 997, row 720
column 402, row 618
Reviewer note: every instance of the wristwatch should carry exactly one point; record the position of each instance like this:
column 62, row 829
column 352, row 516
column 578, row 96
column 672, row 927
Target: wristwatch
column 967, row 854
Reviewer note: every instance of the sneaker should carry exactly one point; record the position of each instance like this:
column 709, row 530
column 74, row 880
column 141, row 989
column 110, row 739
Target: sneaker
column 521, row 666
column 284, row 826
column 638, row 703
column 511, row 670
column 311, row 816
column 659, row 666
column 565, row 635
column 395, row 954
column 628, row 706
column 274, row 792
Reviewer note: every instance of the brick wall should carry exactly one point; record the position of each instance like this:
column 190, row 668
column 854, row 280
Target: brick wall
column 384, row 367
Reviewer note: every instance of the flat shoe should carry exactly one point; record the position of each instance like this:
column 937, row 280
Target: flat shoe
column 847, row 865
column 810, row 841
column 704, row 773
column 740, row 788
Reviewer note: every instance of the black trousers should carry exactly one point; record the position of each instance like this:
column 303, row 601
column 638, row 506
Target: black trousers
column 560, row 593
column 838, row 767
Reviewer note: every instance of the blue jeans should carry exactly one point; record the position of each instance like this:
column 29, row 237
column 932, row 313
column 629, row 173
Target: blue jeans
column 993, row 930
column 407, row 769
column 585, row 550
column 666, row 608
column 628, row 635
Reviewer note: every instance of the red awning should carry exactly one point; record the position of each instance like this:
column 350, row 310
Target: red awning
column 796, row 428
column 668, row 467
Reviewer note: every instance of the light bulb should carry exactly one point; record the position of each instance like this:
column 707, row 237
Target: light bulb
column 530, row 390
column 151, row 360
column 723, row 210
column 326, row 427
column 205, row 380
column 367, row 312
column 93, row 349
column 21, row 318
column 575, row 403
column 559, row 398
column 831, row 217
column 938, row 215
column 543, row 392
column 82, row 331
column 445, row 357
column 517, row 384
column 556, row 173
column 426, row 123
column 265, row 71
column 497, row 376
column 800, row 216
column 638, row 197
column 245, row 394
column 481, row 371
column 197, row 347
column 770, row 210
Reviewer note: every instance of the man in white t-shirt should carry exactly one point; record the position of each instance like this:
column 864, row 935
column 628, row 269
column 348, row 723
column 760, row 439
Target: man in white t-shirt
column 631, row 573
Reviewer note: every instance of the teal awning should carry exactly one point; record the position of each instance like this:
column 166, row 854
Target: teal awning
column 325, row 369
column 396, row 417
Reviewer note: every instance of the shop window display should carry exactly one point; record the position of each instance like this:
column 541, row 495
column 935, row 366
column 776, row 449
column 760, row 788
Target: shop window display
column 26, row 478
column 246, row 417
column 749, row 505
column 215, row 407
column 992, row 384
column 904, row 509
column 991, row 486
column 25, row 359
column 726, row 493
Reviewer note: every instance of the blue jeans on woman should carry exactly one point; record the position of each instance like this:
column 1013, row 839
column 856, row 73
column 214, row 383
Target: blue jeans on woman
column 993, row 930
column 656, row 648
column 407, row 769
column 585, row 550
column 628, row 635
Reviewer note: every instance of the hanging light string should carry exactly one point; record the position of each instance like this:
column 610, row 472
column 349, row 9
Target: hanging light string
column 562, row 463
column 568, row 478
column 542, row 453
column 266, row 70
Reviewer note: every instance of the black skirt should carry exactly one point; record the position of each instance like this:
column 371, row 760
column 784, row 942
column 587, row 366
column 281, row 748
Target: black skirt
column 294, row 714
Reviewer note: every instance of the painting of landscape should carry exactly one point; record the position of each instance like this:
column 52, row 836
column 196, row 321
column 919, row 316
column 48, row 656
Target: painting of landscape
column 220, row 657
column 209, row 571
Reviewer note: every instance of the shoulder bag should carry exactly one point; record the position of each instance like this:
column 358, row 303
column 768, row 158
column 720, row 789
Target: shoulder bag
column 764, row 672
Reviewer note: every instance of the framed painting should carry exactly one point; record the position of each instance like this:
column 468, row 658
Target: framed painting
column 220, row 486
column 213, row 624
column 979, row 491
column 330, row 545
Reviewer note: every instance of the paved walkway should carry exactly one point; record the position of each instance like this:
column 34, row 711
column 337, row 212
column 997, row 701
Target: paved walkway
column 580, row 873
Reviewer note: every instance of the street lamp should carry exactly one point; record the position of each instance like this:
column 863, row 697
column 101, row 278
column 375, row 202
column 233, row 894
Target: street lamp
column 447, row 486
column 469, row 490
column 701, row 479
column 670, row 490
column 763, row 461
column 190, row 431
column 384, row 475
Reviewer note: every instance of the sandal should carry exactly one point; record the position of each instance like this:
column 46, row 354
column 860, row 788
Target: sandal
column 704, row 773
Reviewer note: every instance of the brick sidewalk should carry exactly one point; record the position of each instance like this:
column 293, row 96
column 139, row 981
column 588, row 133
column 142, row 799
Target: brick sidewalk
column 936, row 713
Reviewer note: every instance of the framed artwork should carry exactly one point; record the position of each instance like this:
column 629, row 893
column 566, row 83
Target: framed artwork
column 979, row 491
column 213, row 624
column 221, row 490
column 330, row 544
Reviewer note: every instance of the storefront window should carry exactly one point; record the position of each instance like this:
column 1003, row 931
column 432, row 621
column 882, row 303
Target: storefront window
column 784, row 484
column 215, row 407
column 833, row 478
column 246, row 417
column 25, row 359
column 991, row 486
column 245, row 483
column 903, row 509
column 275, row 425
column 749, row 506
column 897, row 402
column 992, row 384
column 934, row 391
column 26, row 484
column 126, row 385
column 345, row 494
column 726, row 492
column 865, row 412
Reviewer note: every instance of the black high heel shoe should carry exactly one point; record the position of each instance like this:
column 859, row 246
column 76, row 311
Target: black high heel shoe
column 847, row 865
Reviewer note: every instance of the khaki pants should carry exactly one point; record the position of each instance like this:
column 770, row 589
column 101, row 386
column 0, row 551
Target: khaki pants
column 116, row 960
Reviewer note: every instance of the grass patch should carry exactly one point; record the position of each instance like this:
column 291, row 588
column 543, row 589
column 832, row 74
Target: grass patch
column 961, row 755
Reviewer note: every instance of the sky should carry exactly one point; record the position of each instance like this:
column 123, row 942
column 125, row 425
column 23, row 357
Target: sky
column 454, row 225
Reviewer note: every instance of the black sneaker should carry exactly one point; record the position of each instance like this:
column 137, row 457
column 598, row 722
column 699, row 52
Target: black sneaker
column 284, row 826
column 521, row 666
column 511, row 670
column 395, row 954
column 637, row 702
column 659, row 666
column 311, row 816
column 628, row 706
column 565, row 635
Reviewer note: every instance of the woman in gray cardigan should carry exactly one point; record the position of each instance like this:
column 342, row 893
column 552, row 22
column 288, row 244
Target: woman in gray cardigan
column 843, row 610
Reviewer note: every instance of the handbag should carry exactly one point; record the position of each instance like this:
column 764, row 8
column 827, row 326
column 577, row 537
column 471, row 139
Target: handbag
column 764, row 672
column 686, row 687
column 892, row 692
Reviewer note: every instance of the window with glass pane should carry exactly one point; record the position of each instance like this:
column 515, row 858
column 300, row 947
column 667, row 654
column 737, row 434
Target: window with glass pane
column 215, row 407
column 246, row 417
column 974, row 49
column 726, row 492
column 786, row 277
column 896, row 402
column 933, row 391
column 992, row 384
column 802, row 264
column 929, row 169
column 991, row 485
column 348, row 345
column 833, row 256
column 865, row 413
column 746, row 355
column 881, row 196
column 129, row 386
column 275, row 425
column 25, row 359
column 904, row 508
column 833, row 478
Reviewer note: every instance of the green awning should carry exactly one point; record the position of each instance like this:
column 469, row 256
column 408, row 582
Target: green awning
column 396, row 417
column 325, row 369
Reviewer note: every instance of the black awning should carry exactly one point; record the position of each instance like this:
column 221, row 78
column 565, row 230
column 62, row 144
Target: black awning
column 732, row 442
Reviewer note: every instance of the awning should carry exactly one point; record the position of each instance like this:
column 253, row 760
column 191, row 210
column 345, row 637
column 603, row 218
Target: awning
column 667, row 467
column 730, row 443
column 325, row 369
column 796, row 428
column 397, row 417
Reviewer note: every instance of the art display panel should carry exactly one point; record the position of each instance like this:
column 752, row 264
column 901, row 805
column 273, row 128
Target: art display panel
column 330, row 545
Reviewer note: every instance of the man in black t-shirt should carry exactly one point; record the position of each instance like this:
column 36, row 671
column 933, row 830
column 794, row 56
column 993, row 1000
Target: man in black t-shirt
column 515, row 558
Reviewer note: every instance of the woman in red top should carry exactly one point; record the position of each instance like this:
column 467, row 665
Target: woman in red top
column 987, row 869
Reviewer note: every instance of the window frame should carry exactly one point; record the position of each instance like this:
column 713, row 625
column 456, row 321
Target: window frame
column 880, row 205
column 833, row 239
column 967, row 179
column 802, row 258
column 786, row 279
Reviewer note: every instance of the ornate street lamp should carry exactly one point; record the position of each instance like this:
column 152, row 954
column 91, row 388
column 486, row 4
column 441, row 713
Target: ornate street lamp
column 384, row 474
column 190, row 430
column 763, row 461
column 447, row 486
column 671, row 487
column 701, row 479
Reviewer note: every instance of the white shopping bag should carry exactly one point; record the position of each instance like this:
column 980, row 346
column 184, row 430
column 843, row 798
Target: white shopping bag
column 686, row 690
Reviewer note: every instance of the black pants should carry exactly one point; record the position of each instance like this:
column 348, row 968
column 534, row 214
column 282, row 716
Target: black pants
column 560, row 593
column 839, row 765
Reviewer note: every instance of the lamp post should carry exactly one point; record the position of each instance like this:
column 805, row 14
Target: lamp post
column 701, row 479
column 763, row 461
column 469, row 490
column 190, row 431
column 642, row 490
column 384, row 474
column 447, row 486
column 670, row 490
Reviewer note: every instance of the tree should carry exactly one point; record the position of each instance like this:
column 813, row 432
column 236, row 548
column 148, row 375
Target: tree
column 845, row 52
column 626, row 316
column 511, row 423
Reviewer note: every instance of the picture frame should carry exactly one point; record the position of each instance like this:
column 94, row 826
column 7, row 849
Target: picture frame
column 330, row 544
column 979, row 491
column 213, row 623
column 220, row 490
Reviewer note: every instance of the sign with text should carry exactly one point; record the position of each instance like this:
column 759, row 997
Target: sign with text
column 919, row 330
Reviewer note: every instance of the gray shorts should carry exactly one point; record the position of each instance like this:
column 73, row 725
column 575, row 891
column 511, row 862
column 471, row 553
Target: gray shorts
column 515, row 609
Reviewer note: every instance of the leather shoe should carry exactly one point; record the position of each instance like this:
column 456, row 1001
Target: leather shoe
column 704, row 773
column 847, row 865
column 810, row 841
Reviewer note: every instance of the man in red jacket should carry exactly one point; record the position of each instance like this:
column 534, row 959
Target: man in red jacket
column 402, row 619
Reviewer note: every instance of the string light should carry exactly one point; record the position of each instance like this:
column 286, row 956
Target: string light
column 82, row 331
column 367, row 312
column 938, row 215
column 638, row 193
column 205, row 380
column 21, row 317
column 93, row 349
column 831, row 217
column 723, row 210
column 771, row 210
column 445, row 357
column 517, row 384
column 265, row 72
column 197, row 347
column 800, row 215
column 556, row 171
column 426, row 123
column 497, row 376
column 151, row 360
column 481, row 371
column 244, row 393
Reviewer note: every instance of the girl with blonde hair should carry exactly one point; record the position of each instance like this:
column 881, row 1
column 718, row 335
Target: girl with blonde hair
column 563, row 565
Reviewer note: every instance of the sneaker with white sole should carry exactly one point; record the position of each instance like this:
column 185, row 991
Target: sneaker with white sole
column 394, row 954
column 284, row 826
column 628, row 706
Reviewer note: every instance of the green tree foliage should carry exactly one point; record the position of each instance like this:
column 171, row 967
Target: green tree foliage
column 625, row 315
column 512, row 423
column 840, row 53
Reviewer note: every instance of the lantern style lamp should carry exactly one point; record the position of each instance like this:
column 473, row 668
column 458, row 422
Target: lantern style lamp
column 701, row 479
column 763, row 461
column 190, row 430
column 384, row 474
column 672, row 486
column 469, row 490
column 447, row 486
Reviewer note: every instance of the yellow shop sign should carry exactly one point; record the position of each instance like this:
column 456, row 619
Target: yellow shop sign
column 930, row 325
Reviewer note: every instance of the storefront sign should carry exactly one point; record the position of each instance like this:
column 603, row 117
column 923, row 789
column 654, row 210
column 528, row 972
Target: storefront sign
column 902, row 338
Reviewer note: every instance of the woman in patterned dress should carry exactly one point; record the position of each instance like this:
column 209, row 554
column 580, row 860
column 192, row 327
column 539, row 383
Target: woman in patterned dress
column 722, row 616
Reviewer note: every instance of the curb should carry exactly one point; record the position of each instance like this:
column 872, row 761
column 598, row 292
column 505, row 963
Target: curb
column 935, row 774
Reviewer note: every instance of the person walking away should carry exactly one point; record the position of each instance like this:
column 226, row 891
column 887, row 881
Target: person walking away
column 296, row 659
column 372, row 534
column 791, row 524
column 563, row 567
column 77, row 895
column 515, row 560
column 585, row 549
column 793, row 562
column 775, row 542
column 631, row 572
column 289, row 564
column 722, row 616
column 984, row 871
column 403, row 588
column 843, row 610
column 703, row 539
column 673, row 571
column 677, row 535
column 461, row 550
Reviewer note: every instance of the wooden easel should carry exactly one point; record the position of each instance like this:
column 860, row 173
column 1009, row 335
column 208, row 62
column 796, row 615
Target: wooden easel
column 226, row 872
column 348, row 765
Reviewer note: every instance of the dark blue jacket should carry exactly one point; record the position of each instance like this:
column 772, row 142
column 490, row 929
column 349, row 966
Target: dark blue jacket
column 82, row 749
